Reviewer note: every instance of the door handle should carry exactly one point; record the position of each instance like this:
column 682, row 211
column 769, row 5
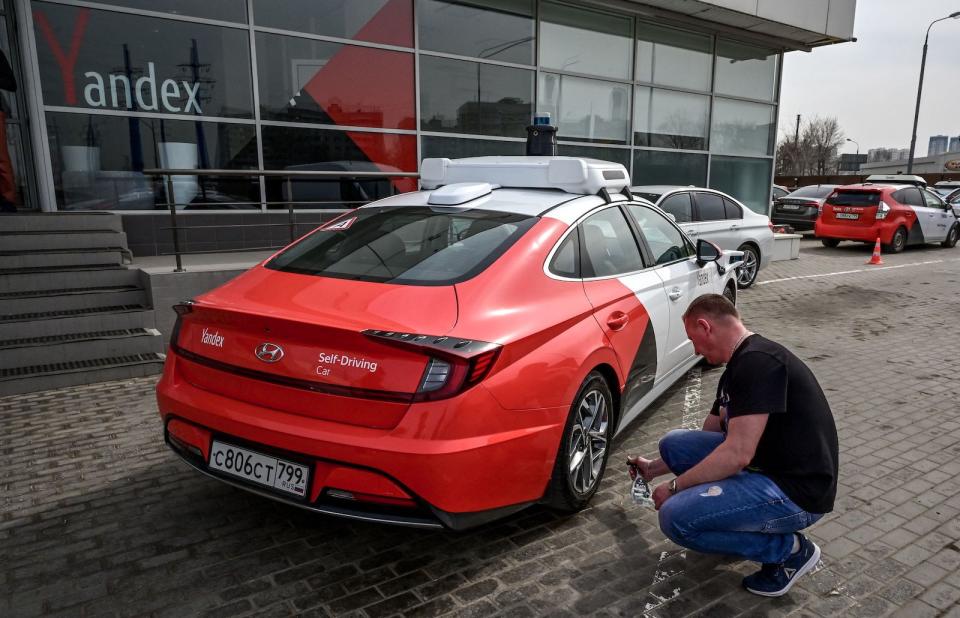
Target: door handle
column 617, row 320
column 734, row 226
column 675, row 294
column 693, row 233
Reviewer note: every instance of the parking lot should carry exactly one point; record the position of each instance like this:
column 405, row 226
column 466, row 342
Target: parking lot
column 98, row 518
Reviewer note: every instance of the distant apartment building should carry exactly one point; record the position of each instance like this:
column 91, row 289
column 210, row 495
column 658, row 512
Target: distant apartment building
column 875, row 155
column 938, row 145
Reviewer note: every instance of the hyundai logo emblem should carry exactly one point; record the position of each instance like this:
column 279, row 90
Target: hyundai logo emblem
column 269, row 352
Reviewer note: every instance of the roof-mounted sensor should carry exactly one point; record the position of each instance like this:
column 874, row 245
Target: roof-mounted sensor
column 571, row 174
column 460, row 193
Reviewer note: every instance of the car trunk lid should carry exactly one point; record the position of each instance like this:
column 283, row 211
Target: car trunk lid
column 297, row 343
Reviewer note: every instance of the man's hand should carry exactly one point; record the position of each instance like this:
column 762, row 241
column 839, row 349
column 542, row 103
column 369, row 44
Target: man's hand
column 645, row 467
column 660, row 495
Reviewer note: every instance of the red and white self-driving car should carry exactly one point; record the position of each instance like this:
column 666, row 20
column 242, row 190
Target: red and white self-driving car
column 899, row 214
column 447, row 356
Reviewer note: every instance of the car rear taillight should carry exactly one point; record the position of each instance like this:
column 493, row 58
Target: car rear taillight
column 453, row 366
column 181, row 309
column 882, row 211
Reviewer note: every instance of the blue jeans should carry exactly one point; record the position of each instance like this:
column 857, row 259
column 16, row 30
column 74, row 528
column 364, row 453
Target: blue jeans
column 743, row 515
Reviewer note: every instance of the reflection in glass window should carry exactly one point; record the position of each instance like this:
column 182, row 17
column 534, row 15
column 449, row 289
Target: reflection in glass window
column 743, row 128
column 133, row 63
column 407, row 245
column 224, row 10
column 472, row 97
column 616, row 155
column 746, row 71
column 296, row 148
column 313, row 81
column 665, row 241
column 496, row 29
column 586, row 109
column 670, row 119
column 376, row 21
column 679, row 206
column 461, row 147
column 609, row 245
column 584, row 41
column 656, row 167
column 710, row 207
column 671, row 57
column 98, row 162
column 566, row 261
column 747, row 180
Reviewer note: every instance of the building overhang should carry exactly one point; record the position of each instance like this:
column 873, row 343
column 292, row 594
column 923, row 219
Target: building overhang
column 782, row 24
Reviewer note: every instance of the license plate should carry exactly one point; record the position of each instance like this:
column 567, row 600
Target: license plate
column 846, row 215
column 789, row 207
column 286, row 476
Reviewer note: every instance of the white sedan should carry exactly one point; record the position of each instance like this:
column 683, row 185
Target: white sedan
column 717, row 217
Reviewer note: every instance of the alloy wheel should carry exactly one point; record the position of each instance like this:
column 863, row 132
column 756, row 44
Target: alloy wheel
column 749, row 269
column 588, row 441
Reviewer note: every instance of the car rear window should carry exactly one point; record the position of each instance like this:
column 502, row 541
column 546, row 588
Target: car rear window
column 854, row 198
column 650, row 197
column 406, row 245
column 813, row 191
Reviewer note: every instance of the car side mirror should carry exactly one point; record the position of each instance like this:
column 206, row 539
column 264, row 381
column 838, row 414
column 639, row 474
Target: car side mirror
column 707, row 252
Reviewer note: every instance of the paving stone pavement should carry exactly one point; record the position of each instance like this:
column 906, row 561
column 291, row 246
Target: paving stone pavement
column 98, row 518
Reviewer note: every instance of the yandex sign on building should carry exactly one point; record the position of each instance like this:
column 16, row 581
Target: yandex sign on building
column 145, row 93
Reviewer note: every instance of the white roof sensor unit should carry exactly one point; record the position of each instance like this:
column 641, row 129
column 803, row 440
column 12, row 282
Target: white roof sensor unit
column 570, row 174
column 460, row 193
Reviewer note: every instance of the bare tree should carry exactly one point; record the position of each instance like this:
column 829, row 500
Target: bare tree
column 816, row 150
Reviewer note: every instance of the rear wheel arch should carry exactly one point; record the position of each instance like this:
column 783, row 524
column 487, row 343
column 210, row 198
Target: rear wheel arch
column 610, row 375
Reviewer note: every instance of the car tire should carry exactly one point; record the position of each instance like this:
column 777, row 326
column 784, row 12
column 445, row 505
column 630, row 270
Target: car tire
column 572, row 485
column 833, row 243
column 747, row 273
column 952, row 236
column 898, row 242
column 730, row 294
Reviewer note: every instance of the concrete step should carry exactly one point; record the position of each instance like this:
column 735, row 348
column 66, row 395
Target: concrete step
column 70, row 299
column 23, row 222
column 78, row 347
column 60, row 259
column 56, row 322
column 59, row 375
column 61, row 239
column 13, row 282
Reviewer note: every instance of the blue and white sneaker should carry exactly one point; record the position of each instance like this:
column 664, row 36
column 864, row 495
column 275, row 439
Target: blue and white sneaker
column 774, row 580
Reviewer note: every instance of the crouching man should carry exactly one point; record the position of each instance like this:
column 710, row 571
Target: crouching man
column 763, row 467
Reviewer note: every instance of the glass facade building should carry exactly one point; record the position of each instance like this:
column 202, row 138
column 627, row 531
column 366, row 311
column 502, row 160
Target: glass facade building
column 377, row 85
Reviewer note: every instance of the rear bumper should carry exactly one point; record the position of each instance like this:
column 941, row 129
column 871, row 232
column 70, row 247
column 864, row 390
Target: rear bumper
column 453, row 477
column 798, row 222
column 864, row 233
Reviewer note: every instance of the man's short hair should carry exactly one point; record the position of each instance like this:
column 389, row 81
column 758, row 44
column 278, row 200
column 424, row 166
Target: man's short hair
column 713, row 306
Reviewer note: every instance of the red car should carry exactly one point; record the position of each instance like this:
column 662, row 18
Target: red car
column 443, row 357
column 899, row 215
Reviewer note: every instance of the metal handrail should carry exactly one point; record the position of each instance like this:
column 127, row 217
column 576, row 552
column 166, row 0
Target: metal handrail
column 288, row 175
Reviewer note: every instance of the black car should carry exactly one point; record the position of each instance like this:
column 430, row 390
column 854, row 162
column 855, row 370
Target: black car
column 799, row 209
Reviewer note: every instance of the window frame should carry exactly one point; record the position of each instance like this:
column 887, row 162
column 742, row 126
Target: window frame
column 728, row 204
column 643, row 239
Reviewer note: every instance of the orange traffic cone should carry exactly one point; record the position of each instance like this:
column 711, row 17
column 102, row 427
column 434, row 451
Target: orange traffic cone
column 875, row 258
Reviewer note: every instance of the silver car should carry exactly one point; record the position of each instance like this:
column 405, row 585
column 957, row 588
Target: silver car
column 717, row 217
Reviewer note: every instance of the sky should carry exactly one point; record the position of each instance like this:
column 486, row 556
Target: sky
column 870, row 85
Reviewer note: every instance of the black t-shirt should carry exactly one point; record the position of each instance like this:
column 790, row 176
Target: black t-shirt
column 798, row 448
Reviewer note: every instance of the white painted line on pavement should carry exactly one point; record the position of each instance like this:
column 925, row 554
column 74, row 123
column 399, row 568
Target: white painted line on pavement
column 691, row 400
column 859, row 270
